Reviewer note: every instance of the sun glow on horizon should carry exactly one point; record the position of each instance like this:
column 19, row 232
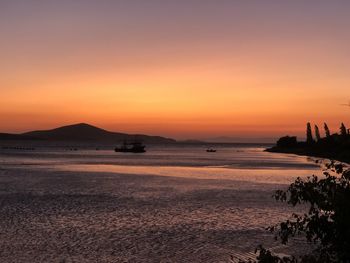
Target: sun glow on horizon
column 228, row 69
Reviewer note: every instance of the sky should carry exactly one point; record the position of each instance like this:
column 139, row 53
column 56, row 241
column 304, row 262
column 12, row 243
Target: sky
column 183, row 69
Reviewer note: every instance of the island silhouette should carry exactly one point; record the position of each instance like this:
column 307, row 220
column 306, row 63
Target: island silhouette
column 83, row 132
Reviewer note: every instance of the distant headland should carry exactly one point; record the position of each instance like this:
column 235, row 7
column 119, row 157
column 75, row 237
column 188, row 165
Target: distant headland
column 333, row 146
column 83, row 132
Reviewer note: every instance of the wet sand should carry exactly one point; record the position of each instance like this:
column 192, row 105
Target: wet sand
column 71, row 216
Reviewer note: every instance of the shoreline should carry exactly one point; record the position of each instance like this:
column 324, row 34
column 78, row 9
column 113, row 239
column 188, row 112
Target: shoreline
column 337, row 156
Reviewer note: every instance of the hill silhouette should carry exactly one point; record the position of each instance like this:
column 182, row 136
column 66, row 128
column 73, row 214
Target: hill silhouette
column 86, row 132
column 9, row 136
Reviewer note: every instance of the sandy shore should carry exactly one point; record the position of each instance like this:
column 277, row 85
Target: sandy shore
column 61, row 216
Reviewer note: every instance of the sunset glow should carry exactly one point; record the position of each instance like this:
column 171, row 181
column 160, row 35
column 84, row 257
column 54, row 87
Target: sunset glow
column 184, row 69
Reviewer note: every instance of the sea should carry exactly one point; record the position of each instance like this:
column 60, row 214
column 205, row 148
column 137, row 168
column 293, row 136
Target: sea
column 173, row 203
column 177, row 160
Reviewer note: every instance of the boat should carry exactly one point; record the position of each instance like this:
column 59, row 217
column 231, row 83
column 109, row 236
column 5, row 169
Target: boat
column 134, row 147
column 211, row 150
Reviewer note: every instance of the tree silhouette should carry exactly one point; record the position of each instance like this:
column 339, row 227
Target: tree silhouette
column 287, row 141
column 317, row 133
column 343, row 131
column 326, row 130
column 309, row 138
column 327, row 222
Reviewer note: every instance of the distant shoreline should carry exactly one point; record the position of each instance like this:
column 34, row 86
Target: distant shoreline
column 311, row 152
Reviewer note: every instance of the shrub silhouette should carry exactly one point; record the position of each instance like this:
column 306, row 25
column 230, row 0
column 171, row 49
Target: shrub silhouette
column 287, row 141
column 327, row 222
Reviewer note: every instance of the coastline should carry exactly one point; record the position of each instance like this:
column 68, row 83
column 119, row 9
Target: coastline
column 312, row 152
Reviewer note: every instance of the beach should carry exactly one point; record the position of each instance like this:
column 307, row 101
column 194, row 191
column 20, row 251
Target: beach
column 171, row 204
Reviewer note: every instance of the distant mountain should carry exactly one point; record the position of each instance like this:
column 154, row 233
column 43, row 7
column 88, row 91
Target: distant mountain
column 83, row 132
column 9, row 136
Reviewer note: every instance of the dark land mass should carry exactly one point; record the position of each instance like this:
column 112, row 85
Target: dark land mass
column 18, row 137
column 335, row 147
column 83, row 132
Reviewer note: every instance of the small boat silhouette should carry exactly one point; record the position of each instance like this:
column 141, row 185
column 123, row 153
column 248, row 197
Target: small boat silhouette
column 211, row 150
column 134, row 147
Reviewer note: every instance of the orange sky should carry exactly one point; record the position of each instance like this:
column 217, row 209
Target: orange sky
column 195, row 70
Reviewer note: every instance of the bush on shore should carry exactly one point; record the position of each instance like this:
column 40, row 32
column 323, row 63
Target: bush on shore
column 326, row 223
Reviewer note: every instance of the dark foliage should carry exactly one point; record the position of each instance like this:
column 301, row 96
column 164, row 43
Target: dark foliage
column 327, row 222
column 317, row 133
column 326, row 130
column 335, row 146
column 343, row 131
column 287, row 141
column 309, row 138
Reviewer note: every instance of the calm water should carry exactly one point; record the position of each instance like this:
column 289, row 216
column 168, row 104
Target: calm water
column 170, row 204
column 236, row 162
